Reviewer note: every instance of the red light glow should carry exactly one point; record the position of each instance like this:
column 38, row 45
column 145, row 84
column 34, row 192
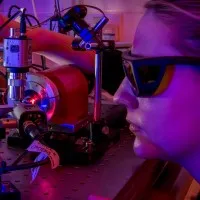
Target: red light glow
column 33, row 101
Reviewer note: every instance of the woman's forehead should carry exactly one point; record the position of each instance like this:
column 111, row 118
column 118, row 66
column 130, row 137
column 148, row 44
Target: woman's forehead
column 153, row 37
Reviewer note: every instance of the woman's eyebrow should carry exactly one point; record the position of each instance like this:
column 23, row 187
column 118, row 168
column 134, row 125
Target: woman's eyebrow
column 132, row 53
column 136, row 55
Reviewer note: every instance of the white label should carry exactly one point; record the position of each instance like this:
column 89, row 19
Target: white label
column 36, row 146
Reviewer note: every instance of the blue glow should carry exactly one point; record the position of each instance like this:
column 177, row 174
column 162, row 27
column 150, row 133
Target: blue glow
column 3, row 188
column 67, row 125
column 43, row 106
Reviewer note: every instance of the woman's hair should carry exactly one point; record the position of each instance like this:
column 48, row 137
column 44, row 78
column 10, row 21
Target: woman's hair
column 183, row 17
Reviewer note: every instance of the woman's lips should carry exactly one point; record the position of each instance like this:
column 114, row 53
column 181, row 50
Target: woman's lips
column 134, row 128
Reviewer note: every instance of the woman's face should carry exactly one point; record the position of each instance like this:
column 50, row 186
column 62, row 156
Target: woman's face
column 167, row 125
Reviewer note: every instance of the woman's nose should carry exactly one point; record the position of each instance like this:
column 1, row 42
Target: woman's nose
column 125, row 95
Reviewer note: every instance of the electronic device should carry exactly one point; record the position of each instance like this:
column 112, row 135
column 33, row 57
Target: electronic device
column 52, row 105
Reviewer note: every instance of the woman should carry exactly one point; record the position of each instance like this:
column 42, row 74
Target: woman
column 166, row 115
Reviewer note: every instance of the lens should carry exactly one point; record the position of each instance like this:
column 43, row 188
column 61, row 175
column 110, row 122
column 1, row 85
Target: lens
column 144, row 79
column 128, row 70
column 148, row 74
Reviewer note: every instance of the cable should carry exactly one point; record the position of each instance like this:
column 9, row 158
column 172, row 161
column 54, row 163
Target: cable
column 29, row 22
column 25, row 166
column 33, row 17
column 39, row 24
column 89, row 6
column 27, row 16
column 9, row 20
column 43, row 22
column 19, row 158
column 14, row 167
column 48, row 19
column 57, row 8
column 34, row 9
column 11, row 8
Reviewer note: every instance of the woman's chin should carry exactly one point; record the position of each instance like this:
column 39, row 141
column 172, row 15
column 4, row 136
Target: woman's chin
column 145, row 149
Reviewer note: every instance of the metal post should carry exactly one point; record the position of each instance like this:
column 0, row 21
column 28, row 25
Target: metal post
column 98, row 84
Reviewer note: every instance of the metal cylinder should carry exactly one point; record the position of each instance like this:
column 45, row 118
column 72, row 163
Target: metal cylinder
column 101, row 23
column 12, row 32
column 31, row 129
column 16, row 86
column 61, row 92
column 98, row 84
column 17, row 53
column 117, row 45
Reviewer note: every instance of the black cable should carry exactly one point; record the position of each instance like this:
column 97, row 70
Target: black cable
column 58, row 7
column 14, row 167
column 94, row 7
column 89, row 6
column 43, row 22
column 26, row 15
column 19, row 158
column 25, row 166
column 33, row 17
column 38, row 137
column 52, row 17
column 57, row 11
column 9, row 20
column 11, row 8
column 35, row 133
column 29, row 22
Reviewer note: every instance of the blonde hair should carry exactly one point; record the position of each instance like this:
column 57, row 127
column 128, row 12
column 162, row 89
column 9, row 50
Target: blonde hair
column 184, row 17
